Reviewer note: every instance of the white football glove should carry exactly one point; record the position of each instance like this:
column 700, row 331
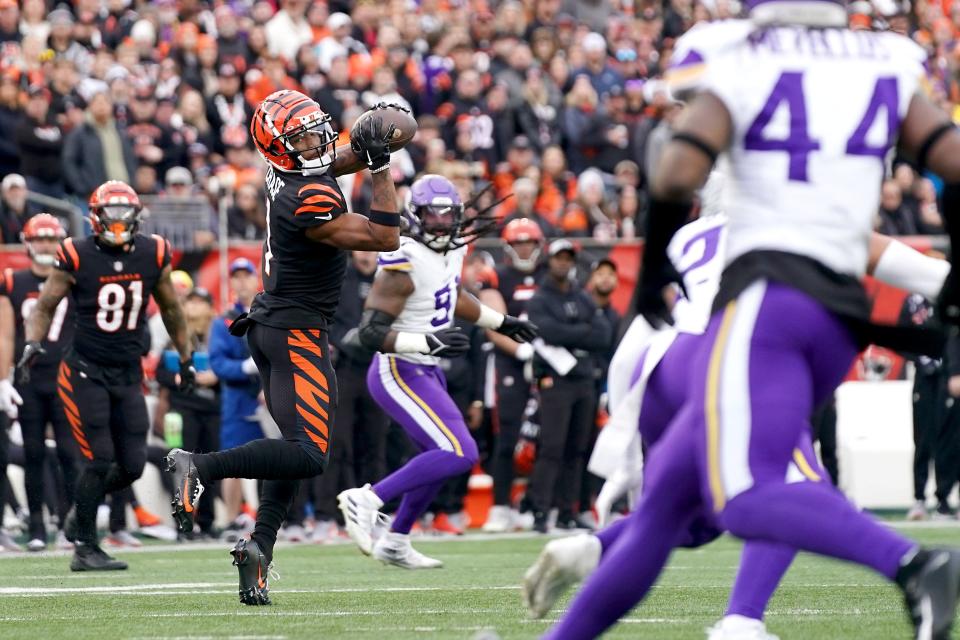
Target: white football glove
column 9, row 399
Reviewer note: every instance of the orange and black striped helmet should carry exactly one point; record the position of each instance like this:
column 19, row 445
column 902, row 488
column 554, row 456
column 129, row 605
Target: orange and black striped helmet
column 115, row 212
column 281, row 128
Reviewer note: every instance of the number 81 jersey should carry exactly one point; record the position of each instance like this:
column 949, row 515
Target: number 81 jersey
column 815, row 113
column 436, row 279
column 110, row 294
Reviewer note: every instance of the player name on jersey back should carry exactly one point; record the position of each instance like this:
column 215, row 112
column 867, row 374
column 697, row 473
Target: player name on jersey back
column 815, row 113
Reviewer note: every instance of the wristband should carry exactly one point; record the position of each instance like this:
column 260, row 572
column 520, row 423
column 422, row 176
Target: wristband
column 385, row 167
column 384, row 218
column 407, row 342
column 489, row 319
column 903, row 267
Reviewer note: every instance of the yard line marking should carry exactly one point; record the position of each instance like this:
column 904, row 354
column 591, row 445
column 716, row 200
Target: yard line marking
column 201, row 588
column 109, row 589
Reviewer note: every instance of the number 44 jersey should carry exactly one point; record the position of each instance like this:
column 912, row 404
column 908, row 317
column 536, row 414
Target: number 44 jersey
column 814, row 113
column 110, row 294
column 436, row 278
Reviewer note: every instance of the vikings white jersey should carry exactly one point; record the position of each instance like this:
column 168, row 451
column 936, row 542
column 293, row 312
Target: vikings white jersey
column 697, row 251
column 814, row 112
column 436, row 279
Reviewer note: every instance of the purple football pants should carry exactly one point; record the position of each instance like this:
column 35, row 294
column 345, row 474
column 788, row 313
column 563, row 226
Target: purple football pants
column 765, row 361
column 415, row 395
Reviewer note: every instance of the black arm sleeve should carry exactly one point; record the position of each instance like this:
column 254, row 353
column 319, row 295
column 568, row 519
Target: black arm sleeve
column 374, row 326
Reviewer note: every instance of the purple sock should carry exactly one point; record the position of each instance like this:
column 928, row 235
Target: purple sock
column 414, row 503
column 425, row 469
column 608, row 535
column 762, row 566
column 811, row 516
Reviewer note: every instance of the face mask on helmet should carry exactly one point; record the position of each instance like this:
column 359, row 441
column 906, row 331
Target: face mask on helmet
column 42, row 234
column 312, row 145
column 437, row 224
column 528, row 264
column 116, row 224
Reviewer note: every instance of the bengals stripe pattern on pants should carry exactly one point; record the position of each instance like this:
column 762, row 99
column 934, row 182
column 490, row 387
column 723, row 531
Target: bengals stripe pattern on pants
column 65, row 391
column 310, row 386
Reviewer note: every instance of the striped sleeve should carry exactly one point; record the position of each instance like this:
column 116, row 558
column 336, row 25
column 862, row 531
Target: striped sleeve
column 395, row 260
column 318, row 203
column 163, row 251
column 67, row 257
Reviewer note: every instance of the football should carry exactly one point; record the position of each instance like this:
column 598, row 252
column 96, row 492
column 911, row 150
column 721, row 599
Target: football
column 396, row 115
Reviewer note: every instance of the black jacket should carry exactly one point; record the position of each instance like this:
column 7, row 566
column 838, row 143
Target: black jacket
column 353, row 293
column 571, row 320
column 83, row 164
column 40, row 146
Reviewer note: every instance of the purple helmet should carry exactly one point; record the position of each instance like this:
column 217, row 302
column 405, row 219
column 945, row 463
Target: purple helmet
column 434, row 212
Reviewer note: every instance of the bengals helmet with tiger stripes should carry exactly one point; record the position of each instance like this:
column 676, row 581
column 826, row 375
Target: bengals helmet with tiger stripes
column 115, row 213
column 281, row 128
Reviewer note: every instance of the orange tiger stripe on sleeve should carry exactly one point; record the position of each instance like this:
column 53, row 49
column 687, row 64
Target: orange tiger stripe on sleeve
column 72, row 253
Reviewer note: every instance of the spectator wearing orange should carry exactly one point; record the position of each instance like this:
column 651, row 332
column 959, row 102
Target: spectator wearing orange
column 557, row 185
column 520, row 158
column 525, row 198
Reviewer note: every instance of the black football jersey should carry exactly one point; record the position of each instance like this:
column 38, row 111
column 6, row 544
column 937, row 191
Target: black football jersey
column 23, row 289
column 111, row 291
column 517, row 287
column 301, row 278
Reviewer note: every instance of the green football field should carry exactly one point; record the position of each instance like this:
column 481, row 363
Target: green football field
column 331, row 591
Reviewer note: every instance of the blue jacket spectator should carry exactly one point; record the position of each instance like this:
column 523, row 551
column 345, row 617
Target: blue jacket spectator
column 230, row 360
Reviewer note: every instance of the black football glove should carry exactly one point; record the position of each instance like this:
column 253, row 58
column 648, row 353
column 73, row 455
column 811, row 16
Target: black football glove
column 519, row 330
column 371, row 143
column 650, row 301
column 447, row 343
column 188, row 376
column 31, row 351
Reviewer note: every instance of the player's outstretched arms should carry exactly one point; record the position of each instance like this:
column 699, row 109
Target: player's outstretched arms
column 704, row 130
column 380, row 231
column 173, row 319
column 933, row 141
column 472, row 310
column 386, row 301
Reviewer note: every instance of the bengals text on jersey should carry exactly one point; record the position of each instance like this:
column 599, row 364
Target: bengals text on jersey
column 110, row 293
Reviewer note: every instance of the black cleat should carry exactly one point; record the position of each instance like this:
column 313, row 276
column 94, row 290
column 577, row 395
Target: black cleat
column 254, row 572
column 187, row 488
column 931, row 587
column 90, row 557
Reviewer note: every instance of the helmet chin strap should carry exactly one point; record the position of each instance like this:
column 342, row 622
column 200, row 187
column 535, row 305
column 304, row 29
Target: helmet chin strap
column 317, row 166
column 43, row 259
